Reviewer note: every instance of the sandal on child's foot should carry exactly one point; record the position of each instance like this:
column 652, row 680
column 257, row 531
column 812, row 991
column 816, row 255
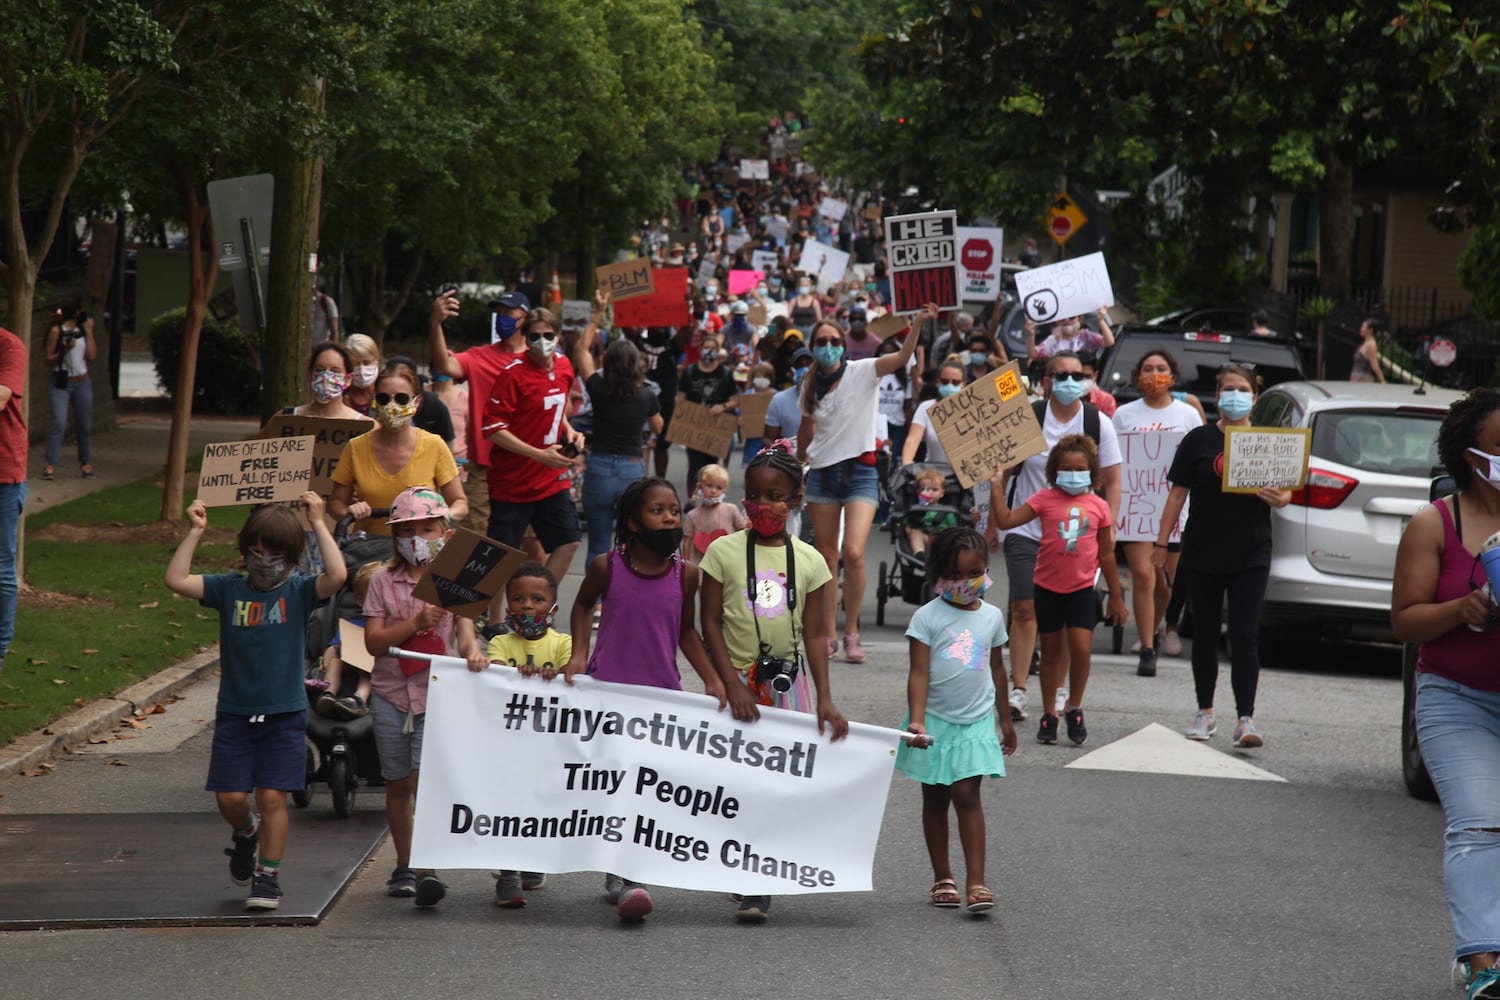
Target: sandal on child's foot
column 49, row 472
column 944, row 893
column 981, row 900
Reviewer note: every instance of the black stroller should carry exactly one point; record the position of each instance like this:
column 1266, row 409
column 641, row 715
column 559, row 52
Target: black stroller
column 907, row 577
column 341, row 752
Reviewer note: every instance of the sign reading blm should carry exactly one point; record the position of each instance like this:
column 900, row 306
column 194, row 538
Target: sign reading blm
column 1068, row 288
column 922, row 255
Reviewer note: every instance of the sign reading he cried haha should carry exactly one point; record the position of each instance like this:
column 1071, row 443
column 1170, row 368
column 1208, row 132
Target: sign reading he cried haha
column 262, row 470
column 987, row 426
column 667, row 305
column 626, row 279
column 468, row 573
column 655, row 785
column 1255, row 457
column 329, row 436
column 1145, row 458
column 697, row 427
column 1068, row 288
column 922, row 256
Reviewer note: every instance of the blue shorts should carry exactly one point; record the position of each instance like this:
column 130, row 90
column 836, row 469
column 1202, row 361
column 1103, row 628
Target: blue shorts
column 249, row 755
column 848, row 481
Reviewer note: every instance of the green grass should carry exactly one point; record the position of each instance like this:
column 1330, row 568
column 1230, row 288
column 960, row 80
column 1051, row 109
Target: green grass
column 99, row 618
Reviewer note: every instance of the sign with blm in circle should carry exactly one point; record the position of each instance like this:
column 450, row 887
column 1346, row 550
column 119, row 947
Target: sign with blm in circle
column 1068, row 288
column 979, row 257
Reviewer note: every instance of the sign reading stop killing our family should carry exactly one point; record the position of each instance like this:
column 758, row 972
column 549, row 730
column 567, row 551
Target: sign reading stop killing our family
column 987, row 426
column 979, row 255
column 654, row 785
column 1068, row 288
column 1145, row 459
column 922, row 260
column 262, row 470
column 1256, row 457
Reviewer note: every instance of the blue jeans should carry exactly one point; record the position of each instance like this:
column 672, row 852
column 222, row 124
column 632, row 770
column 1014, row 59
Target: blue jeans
column 604, row 480
column 1459, row 730
column 81, row 396
column 12, row 499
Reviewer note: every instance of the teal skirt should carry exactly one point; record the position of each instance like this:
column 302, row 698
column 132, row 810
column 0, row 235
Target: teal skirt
column 958, row 751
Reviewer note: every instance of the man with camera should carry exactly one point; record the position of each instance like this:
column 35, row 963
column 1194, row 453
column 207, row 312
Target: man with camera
column 12, row 477
column 69, row 349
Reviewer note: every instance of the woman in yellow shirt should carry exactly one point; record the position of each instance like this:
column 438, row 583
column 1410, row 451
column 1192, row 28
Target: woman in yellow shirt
column 375, row 467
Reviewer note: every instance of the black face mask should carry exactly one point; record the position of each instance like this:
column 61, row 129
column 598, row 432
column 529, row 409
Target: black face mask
column 662, row 541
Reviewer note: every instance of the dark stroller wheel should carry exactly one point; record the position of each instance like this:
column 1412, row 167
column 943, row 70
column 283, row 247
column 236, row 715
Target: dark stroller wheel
column 880, row 594
column 341, row 785
column 304, row 798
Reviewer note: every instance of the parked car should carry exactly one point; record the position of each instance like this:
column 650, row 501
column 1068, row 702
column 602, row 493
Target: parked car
column 1217, row 319
column 1199, row 357
column 1475, row 341
column 1333, row 549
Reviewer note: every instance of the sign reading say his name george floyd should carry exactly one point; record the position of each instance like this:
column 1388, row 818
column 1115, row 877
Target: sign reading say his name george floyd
column 697, row 427
column 262, row 470
column 329, row 436
column 987, row 426
column 627, row 279
column 667, row 305
column 1255, row 457
column 922, row 260
column 467, row 573
column 654, row 785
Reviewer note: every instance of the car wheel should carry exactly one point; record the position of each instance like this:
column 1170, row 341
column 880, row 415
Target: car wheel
column 1413, row 768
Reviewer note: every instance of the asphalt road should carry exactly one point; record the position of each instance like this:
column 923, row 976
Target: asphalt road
column 1118, row 883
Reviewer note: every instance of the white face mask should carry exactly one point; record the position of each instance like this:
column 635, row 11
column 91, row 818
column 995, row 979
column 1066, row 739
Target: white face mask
column 419, row 551
column 761, row 383
column 544, row 346
column 1491, row 472
column 364, row 375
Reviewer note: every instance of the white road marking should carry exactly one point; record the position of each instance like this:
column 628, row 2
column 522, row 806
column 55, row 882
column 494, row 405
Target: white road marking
column 1159, row 750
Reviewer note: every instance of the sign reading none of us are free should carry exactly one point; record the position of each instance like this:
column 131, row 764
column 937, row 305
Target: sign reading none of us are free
column 987, row 426
column 654, row 785
column 922, row 260
column 262, row 470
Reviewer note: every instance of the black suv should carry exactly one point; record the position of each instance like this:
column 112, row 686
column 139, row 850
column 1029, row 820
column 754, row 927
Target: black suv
column 1199, row 356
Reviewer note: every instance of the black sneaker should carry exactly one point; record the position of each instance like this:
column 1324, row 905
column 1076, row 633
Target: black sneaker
column 327, row 705
column 753, row 909
column 349, row 707
column 242, row 856
column 265, row 894
column 430, row 890
column 1147, row 665
column 1077, row 731
column 1046, row 730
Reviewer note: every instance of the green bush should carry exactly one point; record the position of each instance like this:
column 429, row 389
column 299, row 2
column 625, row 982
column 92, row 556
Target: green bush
column 227, row 380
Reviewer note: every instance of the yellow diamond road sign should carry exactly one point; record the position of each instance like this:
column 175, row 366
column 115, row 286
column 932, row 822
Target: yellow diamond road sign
column 1064, row 218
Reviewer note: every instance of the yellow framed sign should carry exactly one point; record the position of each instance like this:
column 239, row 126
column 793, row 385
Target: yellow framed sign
column 1256, row 457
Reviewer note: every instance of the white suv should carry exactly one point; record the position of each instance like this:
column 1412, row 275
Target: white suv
column 1333, row 550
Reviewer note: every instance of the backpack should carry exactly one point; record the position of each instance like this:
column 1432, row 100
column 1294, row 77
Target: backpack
column 1039, row 408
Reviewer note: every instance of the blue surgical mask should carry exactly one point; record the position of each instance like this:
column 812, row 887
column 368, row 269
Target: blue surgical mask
column 1075, row 483
column 945, row 390
column 506, row 325
column 828, row 355
column 1235, row 403
column 797, row 373
column 1068, row 391
column 978, row 357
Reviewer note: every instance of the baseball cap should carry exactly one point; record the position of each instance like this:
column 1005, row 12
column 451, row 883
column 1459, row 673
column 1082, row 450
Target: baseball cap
column 512, row 300
column 740, row 308
column 417, row 504
column 801, row 354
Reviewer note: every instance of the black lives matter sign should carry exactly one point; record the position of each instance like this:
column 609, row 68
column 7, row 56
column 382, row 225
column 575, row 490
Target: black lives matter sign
column 922, row 260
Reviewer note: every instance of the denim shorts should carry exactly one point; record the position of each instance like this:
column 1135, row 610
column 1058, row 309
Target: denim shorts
column 249, row 755
column 848, row 481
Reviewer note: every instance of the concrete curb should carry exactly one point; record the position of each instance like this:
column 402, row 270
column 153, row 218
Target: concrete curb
column 103, row 715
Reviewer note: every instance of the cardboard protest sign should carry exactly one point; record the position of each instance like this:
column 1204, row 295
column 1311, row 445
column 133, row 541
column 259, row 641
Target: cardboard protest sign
column 352, row 648
column 1068, row 288
column 922, row 258
column 742, row 281
column 832, row 208
column 626, row 279
column 755, row 170
column 757, row 314
column 753, row 407
column 887, row 325
column 261, row 470
column 763, row 260
column 667, row 305
column 1145, row 458
column 1265, row 456
column 697, row 427
column 469, row 571
column 987, row 426
column 825, row 263
column 979, row 257
column 329, row 437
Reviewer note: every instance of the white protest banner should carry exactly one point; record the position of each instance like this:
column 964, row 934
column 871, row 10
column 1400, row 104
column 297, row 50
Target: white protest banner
column 922, row 257
column 575, row 315
column 979, row 256
column 832, row 208
column 655, row 785
column 734, row 241
column 1068, row 288
column 1145, row 457
column 763, row 260
column 1265, row 456
column 827, row 264
column 755, row 170
column 988, row 425
column 262, row 470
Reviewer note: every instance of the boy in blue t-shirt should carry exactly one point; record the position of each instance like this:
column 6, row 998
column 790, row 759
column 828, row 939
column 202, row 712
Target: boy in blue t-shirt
column 260, row 725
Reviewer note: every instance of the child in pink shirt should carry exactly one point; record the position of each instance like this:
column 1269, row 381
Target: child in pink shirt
column 712, row 518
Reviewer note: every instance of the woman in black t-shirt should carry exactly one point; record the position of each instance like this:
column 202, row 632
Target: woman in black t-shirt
column 1226, row 549
column 708, row 383
column 623, row 410
column 661, row 346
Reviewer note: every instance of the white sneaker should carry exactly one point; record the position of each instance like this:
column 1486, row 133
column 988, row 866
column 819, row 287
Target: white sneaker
column 1203, row 726
column 1060, row 702
column 1245, row 734
column 1171, row 644
column 1018, row 701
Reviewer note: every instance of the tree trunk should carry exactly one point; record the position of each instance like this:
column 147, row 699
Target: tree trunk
column 203, row 272
column 1336, row 228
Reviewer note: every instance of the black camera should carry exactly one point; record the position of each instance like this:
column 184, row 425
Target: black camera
column 777, row 671
column 569, row 449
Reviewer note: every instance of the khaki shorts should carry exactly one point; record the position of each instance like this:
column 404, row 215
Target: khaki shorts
column 477, row 489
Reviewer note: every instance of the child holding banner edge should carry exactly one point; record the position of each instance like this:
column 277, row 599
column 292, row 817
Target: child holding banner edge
column 956, row 668
column 754, row 629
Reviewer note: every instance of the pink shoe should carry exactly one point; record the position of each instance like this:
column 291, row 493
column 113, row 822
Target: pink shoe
column 634, row 905
column 853, row 651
